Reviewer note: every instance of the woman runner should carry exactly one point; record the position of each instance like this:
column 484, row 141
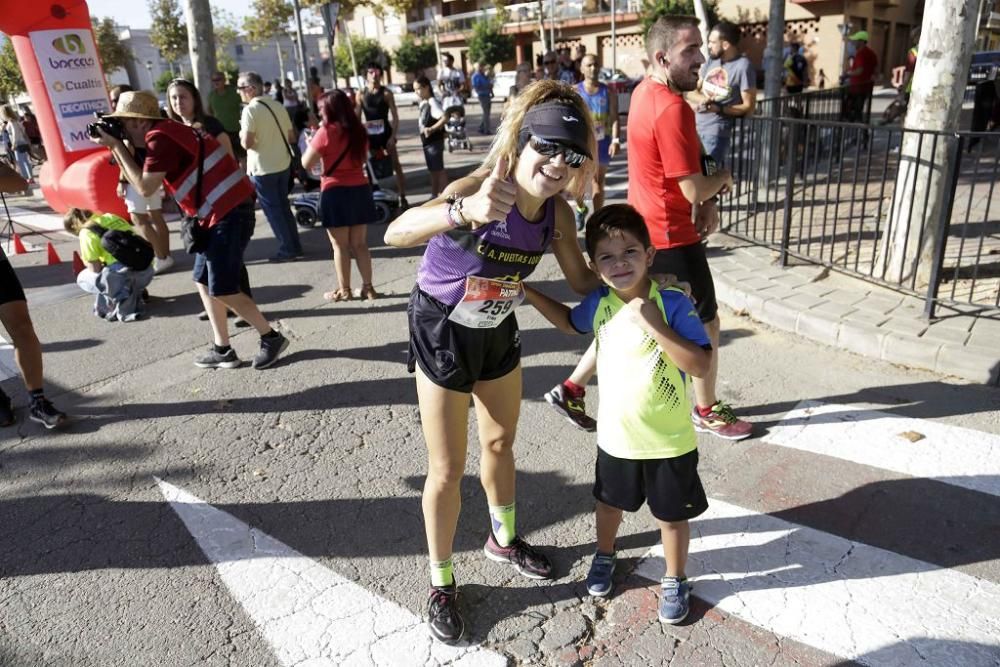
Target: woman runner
column 484, row 236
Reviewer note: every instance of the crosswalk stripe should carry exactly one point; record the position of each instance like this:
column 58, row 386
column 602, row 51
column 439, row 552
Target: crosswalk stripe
column 915, row 447
column 309, row 614
column 843, row 597
column 8, row 368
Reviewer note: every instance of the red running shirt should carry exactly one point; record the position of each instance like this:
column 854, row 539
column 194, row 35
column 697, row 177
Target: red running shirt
column 663, row 147
column 866, row 59
column 330, row 141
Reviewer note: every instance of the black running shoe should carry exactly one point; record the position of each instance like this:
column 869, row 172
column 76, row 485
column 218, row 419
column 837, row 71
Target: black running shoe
column 525, row 558
column 43, row 412
column 6, row 411
column 443, row 619
column 270, row 349
column 573, row 409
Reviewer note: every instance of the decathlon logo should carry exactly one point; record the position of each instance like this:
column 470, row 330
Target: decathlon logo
column 69, row 45
column 85, row 108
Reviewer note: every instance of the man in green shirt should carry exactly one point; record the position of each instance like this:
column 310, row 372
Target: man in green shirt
column 224, row 103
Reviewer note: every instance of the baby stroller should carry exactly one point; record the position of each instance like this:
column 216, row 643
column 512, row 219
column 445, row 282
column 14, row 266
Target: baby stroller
column 454, row 127
column 307, row 211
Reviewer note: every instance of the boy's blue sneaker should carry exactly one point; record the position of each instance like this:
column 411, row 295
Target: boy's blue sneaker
column 602, row 569
column 675, row 594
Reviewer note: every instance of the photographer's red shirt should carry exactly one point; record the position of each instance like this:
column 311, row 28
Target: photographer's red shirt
column 663, row 147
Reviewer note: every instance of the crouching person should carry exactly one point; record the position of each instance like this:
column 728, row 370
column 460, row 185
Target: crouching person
column 117, row 280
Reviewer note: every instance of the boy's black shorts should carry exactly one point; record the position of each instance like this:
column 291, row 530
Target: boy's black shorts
column 690, row 265
column 10, row 286
column 454, row 356
column 671, row 487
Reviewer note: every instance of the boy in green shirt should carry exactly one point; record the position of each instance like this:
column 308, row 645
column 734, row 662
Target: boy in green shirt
column 648, row 340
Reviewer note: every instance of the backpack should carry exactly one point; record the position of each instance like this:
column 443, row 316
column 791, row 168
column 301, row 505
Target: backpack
column 128, row 248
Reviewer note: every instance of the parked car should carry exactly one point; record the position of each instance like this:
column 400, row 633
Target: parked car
column 502, row 83
column 404, row 98
column 617, row 80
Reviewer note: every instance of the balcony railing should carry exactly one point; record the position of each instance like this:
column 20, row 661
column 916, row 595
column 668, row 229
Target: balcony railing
column 521, row 13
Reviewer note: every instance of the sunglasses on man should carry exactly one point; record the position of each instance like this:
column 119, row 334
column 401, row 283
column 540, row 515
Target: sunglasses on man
column 550, row 149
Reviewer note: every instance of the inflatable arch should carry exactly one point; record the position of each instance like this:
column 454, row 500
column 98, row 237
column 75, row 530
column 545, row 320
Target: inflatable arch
column 55, row 48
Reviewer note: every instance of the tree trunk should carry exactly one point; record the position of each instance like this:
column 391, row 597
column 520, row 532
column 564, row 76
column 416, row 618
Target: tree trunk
column 703, row 27
column 775, row 45
column 947, row 40
column 303, row 67
column 201, row 42
column 281, row 57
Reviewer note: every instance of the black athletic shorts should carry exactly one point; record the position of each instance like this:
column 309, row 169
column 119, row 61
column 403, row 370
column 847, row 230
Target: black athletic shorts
column 10, row 286
column 690, row 265
column 671, row 487
column 454, row 356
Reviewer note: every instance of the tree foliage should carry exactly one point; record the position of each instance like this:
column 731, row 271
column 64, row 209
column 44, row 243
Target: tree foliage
column 11, row 80
column 226, row 33
column 168, row 29
column 654, row 9
column 488, row 44
column 112, row 53
column 366, row 50
column 415, row 57
column 267, row 19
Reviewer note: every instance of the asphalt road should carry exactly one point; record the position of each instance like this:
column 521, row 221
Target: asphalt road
column 834, row 553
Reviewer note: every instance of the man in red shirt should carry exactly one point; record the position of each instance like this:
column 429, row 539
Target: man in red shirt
column 668, row 187
column 860, row 78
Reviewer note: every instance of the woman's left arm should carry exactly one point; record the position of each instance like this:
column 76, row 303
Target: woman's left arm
column 225, row 142
column 567, row 251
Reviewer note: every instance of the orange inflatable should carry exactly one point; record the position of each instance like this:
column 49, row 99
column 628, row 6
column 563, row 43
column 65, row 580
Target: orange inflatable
column 55, row 48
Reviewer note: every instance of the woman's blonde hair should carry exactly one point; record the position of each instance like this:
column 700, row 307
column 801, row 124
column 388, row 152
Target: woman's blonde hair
column 506, row 142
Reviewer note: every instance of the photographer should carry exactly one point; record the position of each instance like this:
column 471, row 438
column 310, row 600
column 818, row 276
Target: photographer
column 207, row 183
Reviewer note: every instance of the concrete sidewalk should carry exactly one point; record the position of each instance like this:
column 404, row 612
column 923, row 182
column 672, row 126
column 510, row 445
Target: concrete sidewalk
column 851, row 314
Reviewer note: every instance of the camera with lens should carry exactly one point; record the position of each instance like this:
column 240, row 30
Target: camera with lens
column 111, row 126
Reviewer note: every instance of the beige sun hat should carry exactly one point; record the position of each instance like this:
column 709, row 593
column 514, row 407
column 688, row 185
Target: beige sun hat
column 137, row 104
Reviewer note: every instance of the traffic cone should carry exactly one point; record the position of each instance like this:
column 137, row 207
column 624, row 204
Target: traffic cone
column 78, row 265
column 18, row 246
column 53, row 255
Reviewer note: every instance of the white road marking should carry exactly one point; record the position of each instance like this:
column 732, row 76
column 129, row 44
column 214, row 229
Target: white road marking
column 310, row 615
column 8, row 368
column 950, row 454
column 846, row 598
column 49, row 222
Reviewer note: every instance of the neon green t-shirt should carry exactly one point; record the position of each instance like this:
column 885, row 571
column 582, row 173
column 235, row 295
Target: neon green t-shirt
column 90, row 242
column 644, row 411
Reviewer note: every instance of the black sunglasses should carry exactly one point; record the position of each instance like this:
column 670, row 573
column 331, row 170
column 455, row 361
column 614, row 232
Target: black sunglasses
column 551, row 149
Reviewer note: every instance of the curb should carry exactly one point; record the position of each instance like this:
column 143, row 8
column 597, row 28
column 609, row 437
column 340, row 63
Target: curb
column 797, row 306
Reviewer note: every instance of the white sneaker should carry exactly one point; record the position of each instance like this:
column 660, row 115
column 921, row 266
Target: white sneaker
column 163, row 265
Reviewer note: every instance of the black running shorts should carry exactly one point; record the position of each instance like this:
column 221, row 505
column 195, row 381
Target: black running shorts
column 454, row 356
column 10, row 286
column 671, row 487
column 690, row 265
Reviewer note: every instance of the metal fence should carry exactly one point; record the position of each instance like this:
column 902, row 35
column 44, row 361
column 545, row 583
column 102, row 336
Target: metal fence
column 854, row 198
column 825, row 104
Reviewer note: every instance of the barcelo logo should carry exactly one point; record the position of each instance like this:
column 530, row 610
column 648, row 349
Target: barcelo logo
column 69, row 45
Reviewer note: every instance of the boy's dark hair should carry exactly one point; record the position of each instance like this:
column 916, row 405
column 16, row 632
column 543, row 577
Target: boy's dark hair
column 422, row 81
column 728, row 31
column 612, row 222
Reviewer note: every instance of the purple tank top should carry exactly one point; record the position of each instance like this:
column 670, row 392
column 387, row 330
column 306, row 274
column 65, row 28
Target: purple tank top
column 506, row 250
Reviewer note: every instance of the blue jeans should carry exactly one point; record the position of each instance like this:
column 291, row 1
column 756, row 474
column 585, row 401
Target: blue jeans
column 717, row 145
column 23, row 161
column 118, row 291
column 272, row 191
column 485, row 101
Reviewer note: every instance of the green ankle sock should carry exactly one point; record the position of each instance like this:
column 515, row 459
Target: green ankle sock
column 502, row 519
column 442, row 573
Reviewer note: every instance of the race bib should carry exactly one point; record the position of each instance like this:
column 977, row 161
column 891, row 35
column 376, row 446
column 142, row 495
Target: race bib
column 375, row 127
column 487, row 302
column 599, row 131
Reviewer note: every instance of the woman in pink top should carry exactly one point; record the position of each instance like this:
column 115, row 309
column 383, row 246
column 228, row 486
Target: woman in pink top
column 346, row 204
